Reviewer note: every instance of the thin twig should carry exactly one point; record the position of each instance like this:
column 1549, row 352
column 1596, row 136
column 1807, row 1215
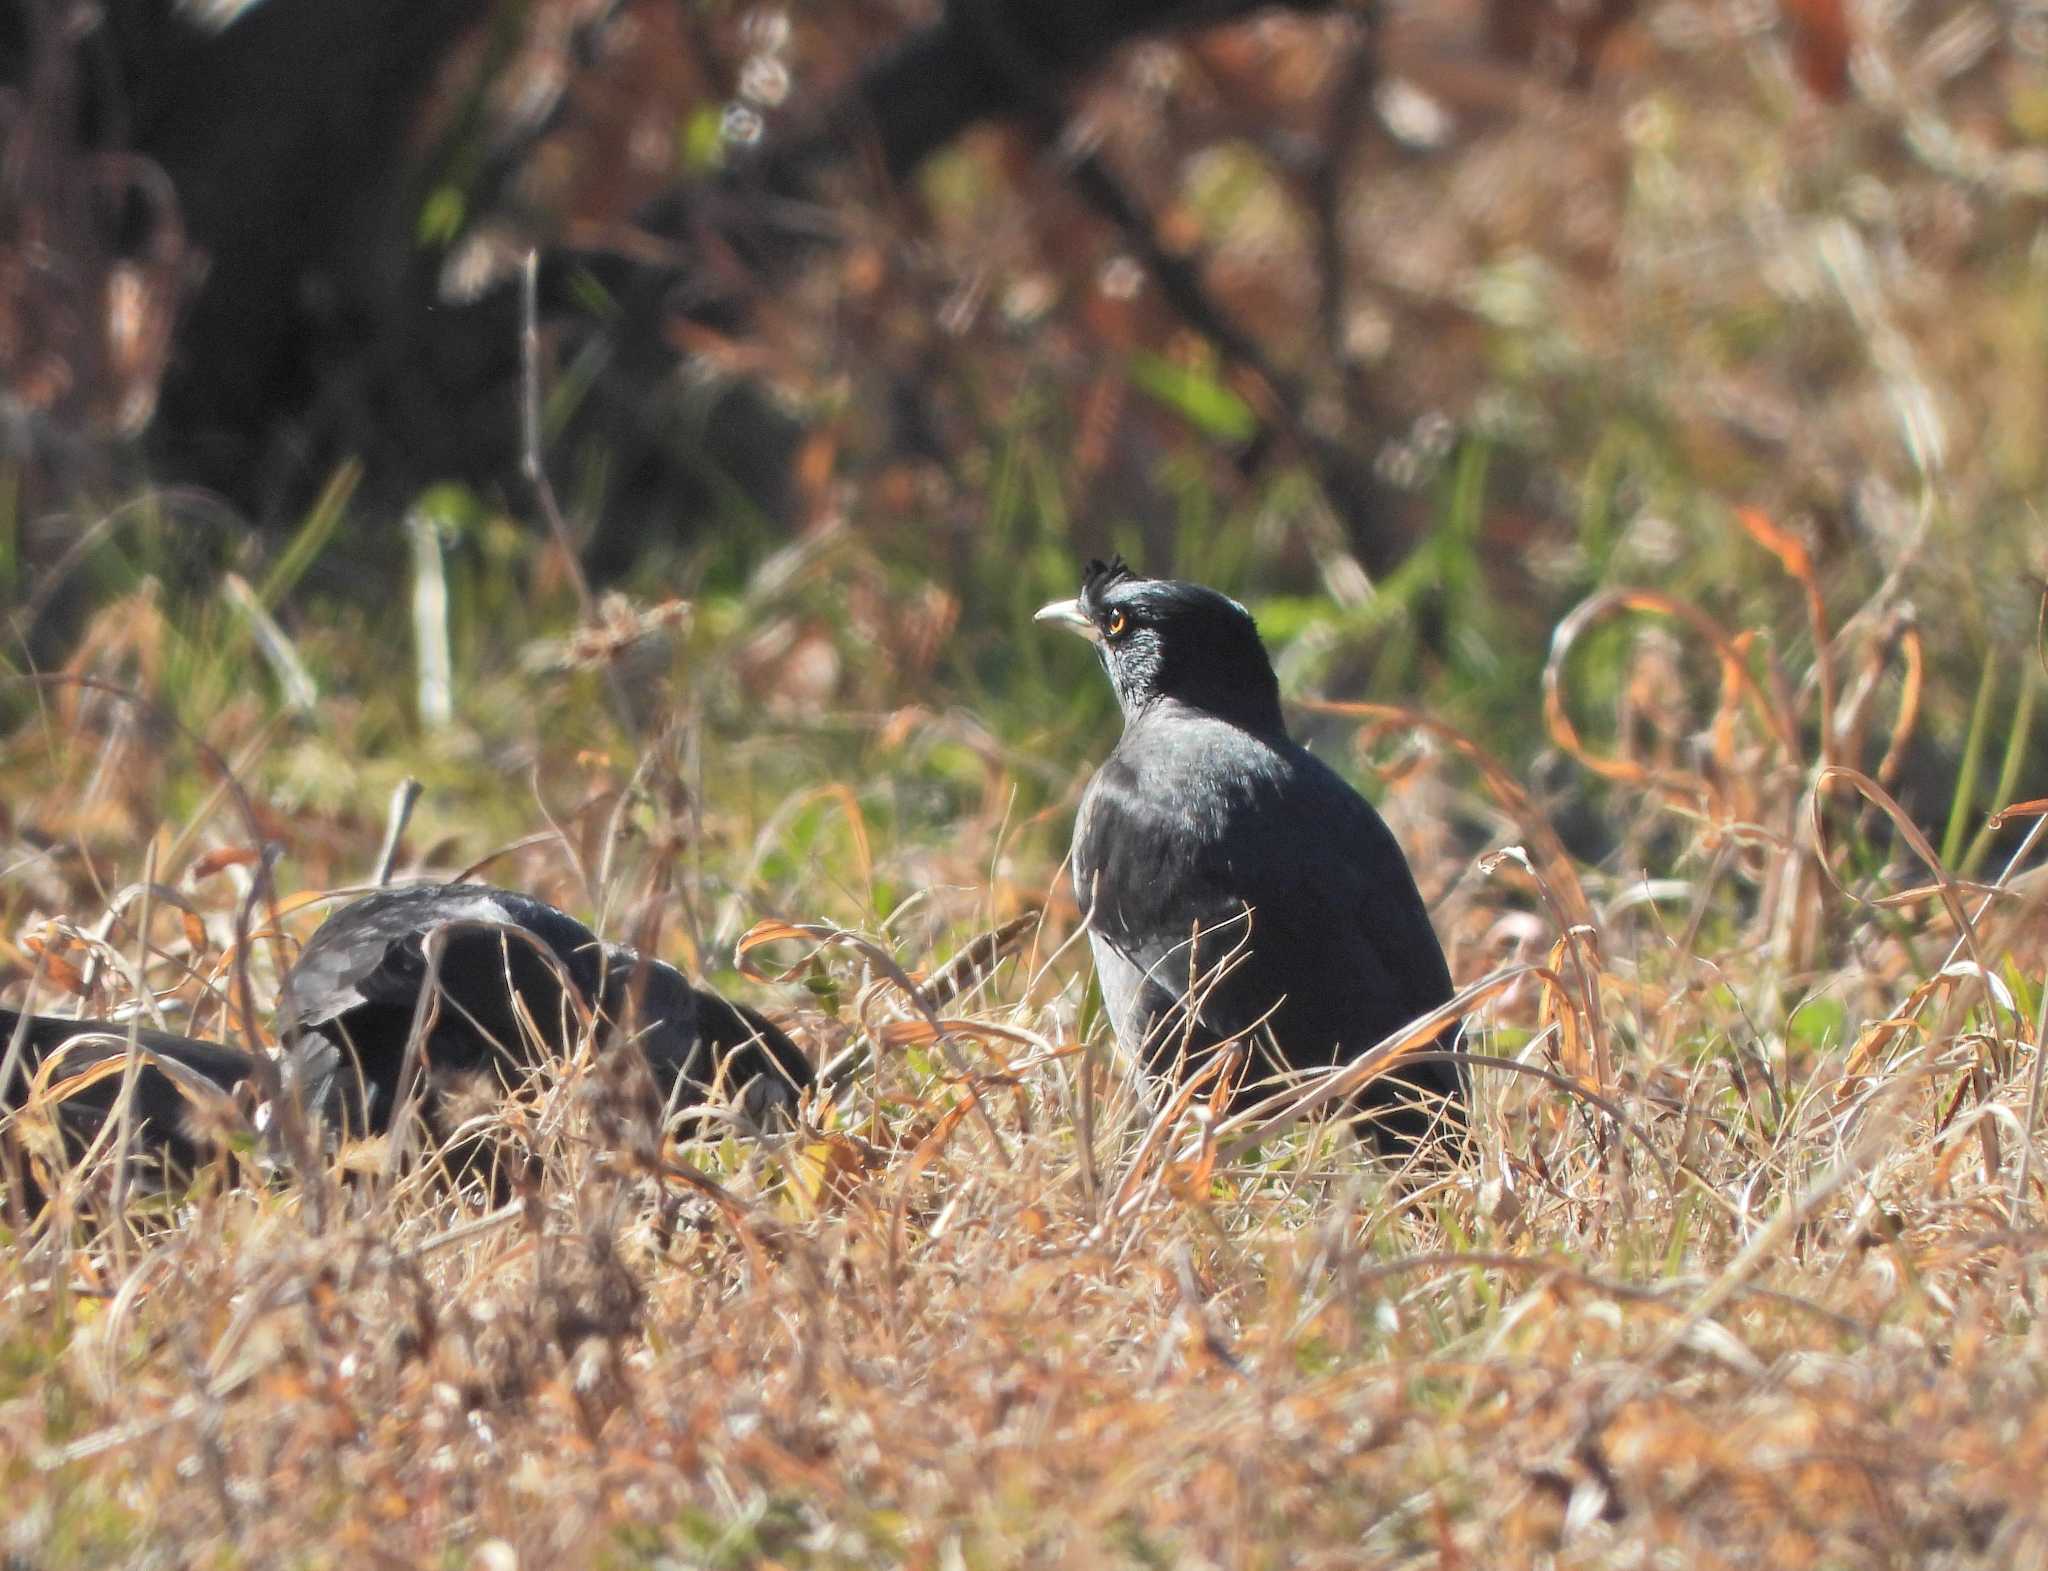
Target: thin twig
column 531, row 464
column 403, row 800
column 131, row 1067
column 534, row 467
column 288, row 1115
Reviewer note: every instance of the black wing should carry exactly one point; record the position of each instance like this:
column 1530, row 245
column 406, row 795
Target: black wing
column 162, row 1109
column 371, row 950
column 352, row 998
column 757, row 1060
column 697, row 1042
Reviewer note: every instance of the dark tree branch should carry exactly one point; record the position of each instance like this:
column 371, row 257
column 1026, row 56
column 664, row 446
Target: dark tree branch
column 1350, row 110
column 1007, row 59
column 1348, row 482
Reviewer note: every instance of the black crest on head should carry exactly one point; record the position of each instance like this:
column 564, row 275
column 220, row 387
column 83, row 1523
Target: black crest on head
column 1098, row 577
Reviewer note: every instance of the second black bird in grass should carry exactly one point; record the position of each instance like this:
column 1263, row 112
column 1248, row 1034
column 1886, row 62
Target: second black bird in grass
column 516, row 976
column 1236, row 888
column 517, row 981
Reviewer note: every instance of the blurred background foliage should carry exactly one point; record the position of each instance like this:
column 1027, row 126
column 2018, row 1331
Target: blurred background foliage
column 860, row 324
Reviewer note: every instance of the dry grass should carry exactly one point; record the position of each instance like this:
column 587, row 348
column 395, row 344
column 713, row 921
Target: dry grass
column 1744, row 1270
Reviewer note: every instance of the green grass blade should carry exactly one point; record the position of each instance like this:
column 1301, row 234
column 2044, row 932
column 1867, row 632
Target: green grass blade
column 1973, row 757
column 322, row 520
column 2009, row 769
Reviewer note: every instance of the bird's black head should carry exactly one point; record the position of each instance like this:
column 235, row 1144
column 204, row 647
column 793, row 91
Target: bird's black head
column 1164, row 638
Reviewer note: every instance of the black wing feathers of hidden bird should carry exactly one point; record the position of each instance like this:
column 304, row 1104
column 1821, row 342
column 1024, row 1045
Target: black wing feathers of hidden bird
column 349, row 1004
column 1234, row 885
column 507, row 1001
column 372, row 952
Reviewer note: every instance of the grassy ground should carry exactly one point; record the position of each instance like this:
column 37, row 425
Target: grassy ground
column 1744, row 1270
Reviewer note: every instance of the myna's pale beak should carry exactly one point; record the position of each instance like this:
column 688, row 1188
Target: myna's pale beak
column 1068, row 614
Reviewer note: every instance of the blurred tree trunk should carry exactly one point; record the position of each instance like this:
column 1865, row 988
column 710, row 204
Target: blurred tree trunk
column 285, row 136
column 316, row 330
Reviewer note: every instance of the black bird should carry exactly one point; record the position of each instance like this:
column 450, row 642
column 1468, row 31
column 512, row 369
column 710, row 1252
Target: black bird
column 506, row 1001
column 1211, row 849
column 163, row 1111
column 347, row 1007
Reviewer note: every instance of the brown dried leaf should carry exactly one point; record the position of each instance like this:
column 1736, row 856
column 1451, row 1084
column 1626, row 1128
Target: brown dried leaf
column 2035, row 808
column 55, row 952
column 222, row 858
column 1822, row 42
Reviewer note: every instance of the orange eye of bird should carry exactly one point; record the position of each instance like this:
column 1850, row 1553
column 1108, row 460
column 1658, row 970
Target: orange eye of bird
column 1114, row 627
